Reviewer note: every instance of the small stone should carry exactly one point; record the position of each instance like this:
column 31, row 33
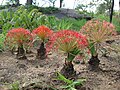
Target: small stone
column 17, row 61
column 40, row 74
column 36, row 67
column 110, row 83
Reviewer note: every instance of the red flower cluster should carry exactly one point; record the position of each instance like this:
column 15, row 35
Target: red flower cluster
column 67, row 40
column 18, row 36
column 42, row 32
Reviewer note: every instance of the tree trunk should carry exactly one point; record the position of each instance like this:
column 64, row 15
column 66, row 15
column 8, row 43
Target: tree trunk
column 53, row 4
column 21, row 53
column 41, row 52
column 29, row 2
column 68, row 69
column 111, row 14
column 61, row 3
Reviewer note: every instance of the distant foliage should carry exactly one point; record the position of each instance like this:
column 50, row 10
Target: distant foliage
column 19, row 18
column 48, row 10
column 74, row 24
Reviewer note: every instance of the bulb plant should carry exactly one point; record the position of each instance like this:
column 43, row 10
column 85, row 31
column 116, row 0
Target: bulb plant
column 20, row 38
column 69, row 42
column 43, row 33
column 97, row 31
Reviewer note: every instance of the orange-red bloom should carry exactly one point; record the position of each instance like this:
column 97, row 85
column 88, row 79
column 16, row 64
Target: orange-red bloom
column 18, row 36
column 42, row 32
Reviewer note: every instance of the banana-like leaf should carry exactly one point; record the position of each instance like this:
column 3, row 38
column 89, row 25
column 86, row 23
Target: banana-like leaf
column 92, row 48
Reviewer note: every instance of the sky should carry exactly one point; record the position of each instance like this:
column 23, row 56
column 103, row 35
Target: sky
column 67, row 3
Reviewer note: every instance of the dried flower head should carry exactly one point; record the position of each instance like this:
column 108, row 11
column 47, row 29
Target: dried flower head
column 98, row 31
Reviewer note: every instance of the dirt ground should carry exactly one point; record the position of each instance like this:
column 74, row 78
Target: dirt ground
column 32, row 72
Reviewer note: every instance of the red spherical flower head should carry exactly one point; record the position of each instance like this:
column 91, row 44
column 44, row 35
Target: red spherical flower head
column 18, row 36
column 42, row 32
column 67, row 40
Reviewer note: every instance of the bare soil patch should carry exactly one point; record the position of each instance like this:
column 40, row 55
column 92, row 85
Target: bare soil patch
column 39, row 74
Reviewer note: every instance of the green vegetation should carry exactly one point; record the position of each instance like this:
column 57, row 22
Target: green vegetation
column 44, row 10
column 2, row 38
column 77, row 24
column 48, row 10
column 70, row 84
column 15, row 86
column 31, row 20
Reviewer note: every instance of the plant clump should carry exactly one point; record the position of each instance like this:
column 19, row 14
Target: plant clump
column 69, row 42
column 43, row 33
column 97, row 31
column 20, row 38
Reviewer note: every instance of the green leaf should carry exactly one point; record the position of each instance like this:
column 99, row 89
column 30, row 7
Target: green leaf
column 73, row 54
column 70, row 84
column 62, row 78
column 92, row 48
column 2, row 38
column 65, row 87
column 78, row 82
column 15, row 86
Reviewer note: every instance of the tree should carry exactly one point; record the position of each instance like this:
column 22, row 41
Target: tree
column 29, row 2
column 82, row 8
column 104, row 6
column 111, row 14
column 53, row 2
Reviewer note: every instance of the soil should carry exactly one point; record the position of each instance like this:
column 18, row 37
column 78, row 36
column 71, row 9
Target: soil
column 39, row 74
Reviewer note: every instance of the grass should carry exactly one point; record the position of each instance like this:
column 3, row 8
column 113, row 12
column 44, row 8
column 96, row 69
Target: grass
column 76, row 24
